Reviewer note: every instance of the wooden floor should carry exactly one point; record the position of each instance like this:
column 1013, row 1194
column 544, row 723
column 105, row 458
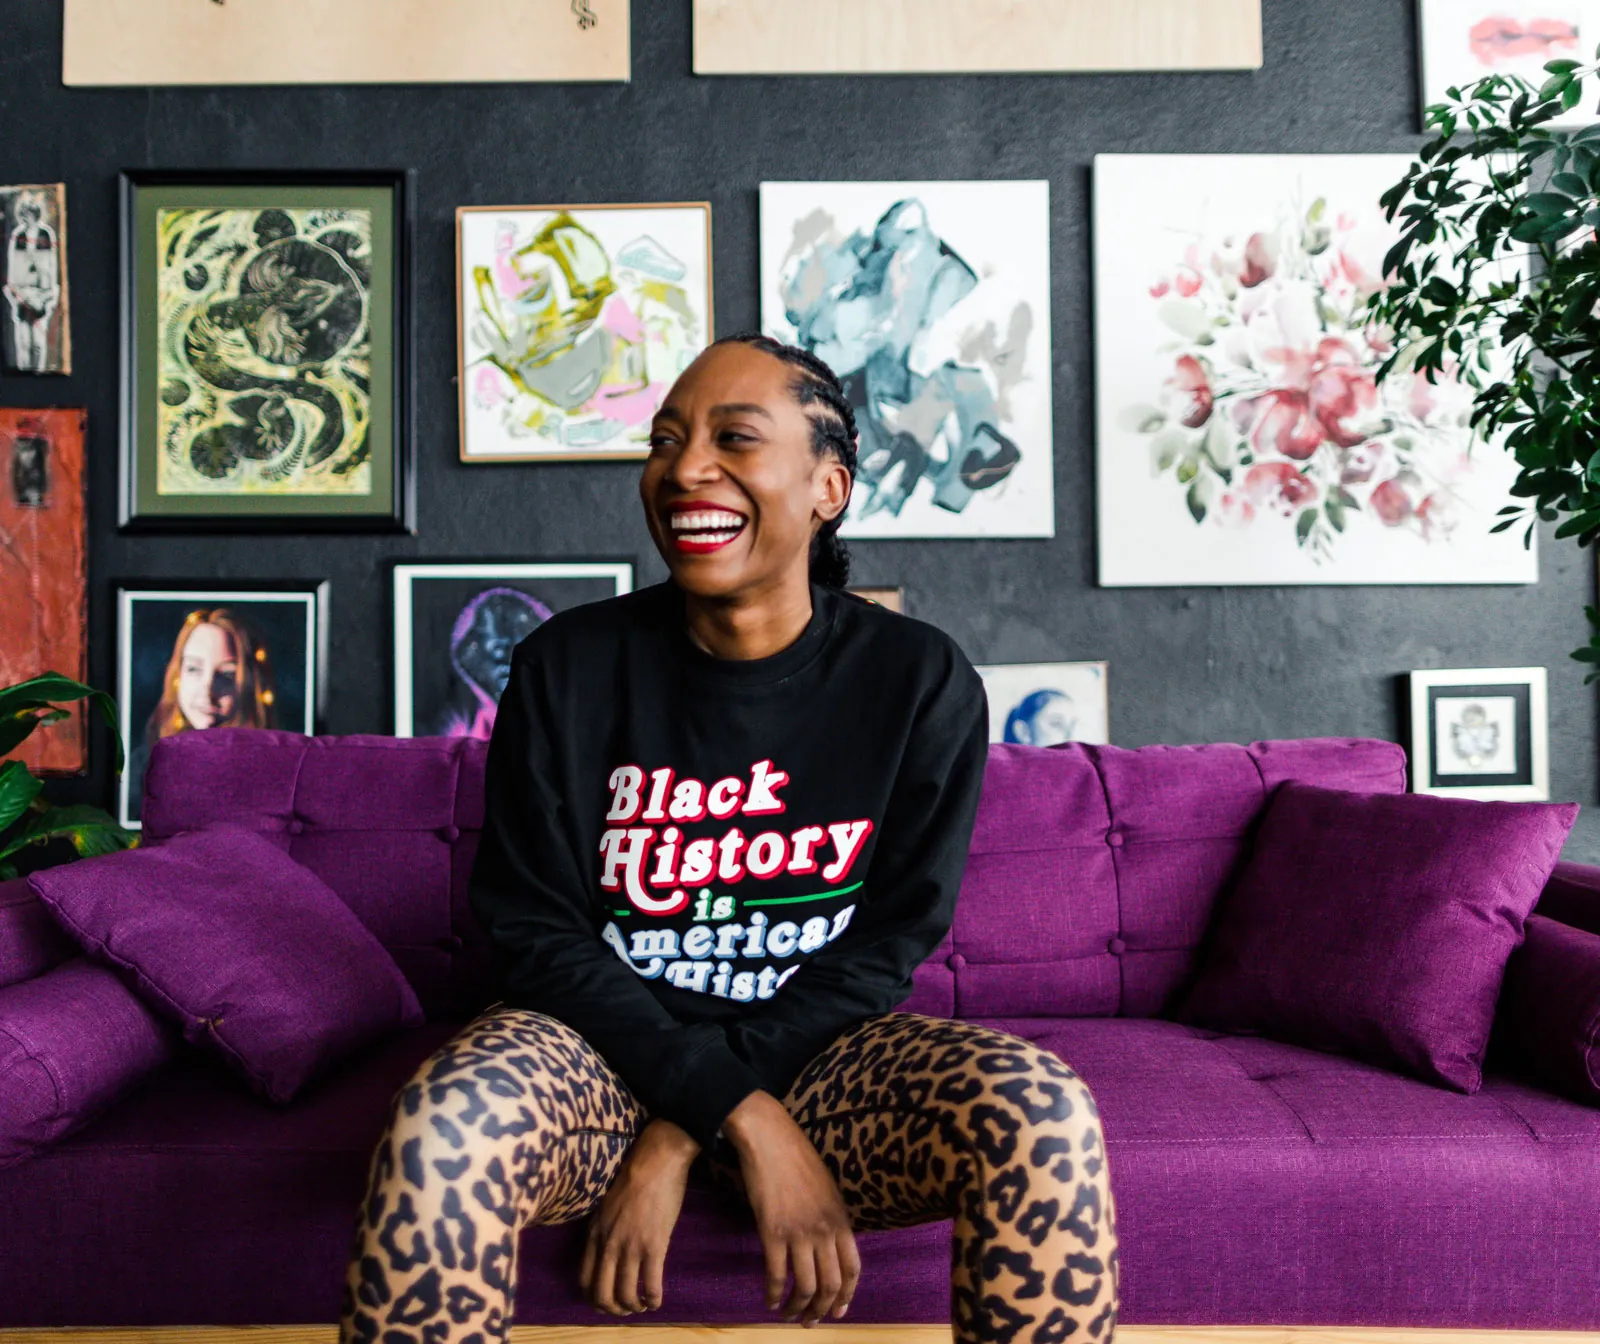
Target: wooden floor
column 829, row 1334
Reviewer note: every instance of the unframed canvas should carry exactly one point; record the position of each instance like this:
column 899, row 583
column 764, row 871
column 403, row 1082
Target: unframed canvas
column 573, row 321
column 1464, row 41
column 1046, row 704
column 1242, row 438
column 931, row 300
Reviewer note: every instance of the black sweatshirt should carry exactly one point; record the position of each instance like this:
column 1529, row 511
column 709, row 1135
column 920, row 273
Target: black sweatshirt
column 710, row 867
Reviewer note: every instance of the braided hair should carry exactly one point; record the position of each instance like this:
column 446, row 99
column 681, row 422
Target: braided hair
column 833, row 431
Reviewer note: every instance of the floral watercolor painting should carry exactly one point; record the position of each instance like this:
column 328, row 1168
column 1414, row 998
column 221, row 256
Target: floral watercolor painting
column 574, row 322
column 1464, row 41
column 931, row 301
column 1243, row 437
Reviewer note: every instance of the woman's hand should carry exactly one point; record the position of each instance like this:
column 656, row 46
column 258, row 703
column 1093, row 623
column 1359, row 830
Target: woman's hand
column 626, row 1252
column 802, row 1219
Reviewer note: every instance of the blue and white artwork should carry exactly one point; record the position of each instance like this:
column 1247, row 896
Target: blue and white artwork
column 931, row 301
column 1046, row 704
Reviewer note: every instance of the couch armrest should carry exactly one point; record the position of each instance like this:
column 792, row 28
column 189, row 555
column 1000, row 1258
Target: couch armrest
column 1547, row 1021
column 31, row 942
column 1572, row 895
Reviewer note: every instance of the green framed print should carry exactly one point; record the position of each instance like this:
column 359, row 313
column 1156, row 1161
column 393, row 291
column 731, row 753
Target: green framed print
column 266, row 352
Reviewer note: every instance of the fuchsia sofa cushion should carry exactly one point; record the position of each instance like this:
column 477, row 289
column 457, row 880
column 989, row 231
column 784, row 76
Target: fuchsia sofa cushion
column 249, row 952
column 72, row 1041
column 1378, row 927
column 1549, row 1013
column 31, row 942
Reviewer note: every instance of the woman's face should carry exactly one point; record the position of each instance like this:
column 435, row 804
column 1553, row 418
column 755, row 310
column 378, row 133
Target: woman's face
column 208, row 677
column 732, row 491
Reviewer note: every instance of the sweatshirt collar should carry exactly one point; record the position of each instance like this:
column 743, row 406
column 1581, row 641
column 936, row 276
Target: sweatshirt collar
column 774, row 667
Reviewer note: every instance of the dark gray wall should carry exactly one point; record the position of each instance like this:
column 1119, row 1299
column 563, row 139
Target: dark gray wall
column 1186, row 665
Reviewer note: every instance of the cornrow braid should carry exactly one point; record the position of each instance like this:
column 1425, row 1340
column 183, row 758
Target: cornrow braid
column 833, row 432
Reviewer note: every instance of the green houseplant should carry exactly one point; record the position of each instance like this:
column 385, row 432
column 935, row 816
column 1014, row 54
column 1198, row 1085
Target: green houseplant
column 1496, row 279
column 25, row 817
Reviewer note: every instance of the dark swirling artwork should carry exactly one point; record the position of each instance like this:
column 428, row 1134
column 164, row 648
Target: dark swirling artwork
column 266, row 351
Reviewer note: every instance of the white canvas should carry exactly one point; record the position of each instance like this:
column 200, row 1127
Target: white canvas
column 1045, row 704
column 1241, row 437
column 1464, row 41
column 574, row 323
column 945, row 288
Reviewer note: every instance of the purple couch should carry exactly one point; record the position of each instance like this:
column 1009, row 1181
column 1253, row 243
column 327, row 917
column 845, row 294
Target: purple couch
column 1257, row 1183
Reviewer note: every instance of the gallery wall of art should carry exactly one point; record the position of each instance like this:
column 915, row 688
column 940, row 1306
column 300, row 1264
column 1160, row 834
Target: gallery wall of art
column 1085, row 470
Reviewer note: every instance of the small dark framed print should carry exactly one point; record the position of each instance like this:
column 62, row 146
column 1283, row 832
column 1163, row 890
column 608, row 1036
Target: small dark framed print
column 266, row 352
column 209, row 655
column 1480, row 732
column 892, row 598
column 456, row 624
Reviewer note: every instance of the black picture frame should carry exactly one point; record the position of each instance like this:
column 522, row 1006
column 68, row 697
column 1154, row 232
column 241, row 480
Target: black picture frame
column 397, row 511
column 132, row 699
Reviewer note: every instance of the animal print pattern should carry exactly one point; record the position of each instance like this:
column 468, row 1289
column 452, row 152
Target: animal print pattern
column 517, row 1120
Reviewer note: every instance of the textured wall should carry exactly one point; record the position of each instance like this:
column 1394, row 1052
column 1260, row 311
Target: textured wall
column 1186, row 665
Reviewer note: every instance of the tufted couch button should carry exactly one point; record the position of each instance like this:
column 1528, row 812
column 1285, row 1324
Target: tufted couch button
column 451, row 944
column 449, row 834
column 296, row 826
column 955, row 961
column 1114, row 839
column 1116, row 947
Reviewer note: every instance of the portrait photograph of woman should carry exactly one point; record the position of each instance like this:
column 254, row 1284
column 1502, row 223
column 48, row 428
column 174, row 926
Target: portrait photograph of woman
column 190, row 659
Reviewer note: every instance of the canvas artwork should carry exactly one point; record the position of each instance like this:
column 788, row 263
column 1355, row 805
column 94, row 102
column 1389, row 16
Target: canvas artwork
column 456, row 626
column 1463, row 41
column 42, row 571
column 1046, row 704
column 1242, row 436
column 892, row 598
column 192, row 657
column 35, row 334
column 574, row 322
column 931, row 300
column 1480, row 733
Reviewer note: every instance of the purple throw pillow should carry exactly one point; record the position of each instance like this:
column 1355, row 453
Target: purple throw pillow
column 252, row 954
column 1377, row 926
column 72, row 1041
column 1549, row 1013
column 31, row 942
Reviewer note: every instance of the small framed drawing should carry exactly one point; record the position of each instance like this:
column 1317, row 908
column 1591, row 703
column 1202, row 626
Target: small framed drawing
column 456, row 625
column 1480, row 732
column 266, row 352
column 572, row 323
column 892, row 598
column 1047, row 704
column 209, row 655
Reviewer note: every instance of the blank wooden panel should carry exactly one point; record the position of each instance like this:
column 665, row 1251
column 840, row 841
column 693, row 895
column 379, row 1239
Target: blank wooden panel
column 850, row 37
column 343, row 41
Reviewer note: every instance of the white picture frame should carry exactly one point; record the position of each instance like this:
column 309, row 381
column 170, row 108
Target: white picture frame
column 1480, row 732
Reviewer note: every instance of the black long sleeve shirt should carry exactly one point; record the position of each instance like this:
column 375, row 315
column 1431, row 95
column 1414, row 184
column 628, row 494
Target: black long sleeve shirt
column 709, row 867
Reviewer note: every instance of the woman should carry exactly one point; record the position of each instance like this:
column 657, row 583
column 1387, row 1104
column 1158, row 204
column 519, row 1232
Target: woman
column 726, row 817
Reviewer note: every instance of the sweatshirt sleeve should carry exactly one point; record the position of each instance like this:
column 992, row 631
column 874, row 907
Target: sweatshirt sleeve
column 529, row 894
column 911, row 889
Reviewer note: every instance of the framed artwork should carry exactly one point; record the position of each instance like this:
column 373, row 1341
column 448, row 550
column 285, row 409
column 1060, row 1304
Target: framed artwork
column 1464, row 41
column 209, row 655
column 266, row 352
column 1046, row 704
column 572, row 323
column 351, row 42
column 893, row 598
column 35, row 331
column 1481, row 732
column 456, row 625
column 1242, row 436
column 43, row 621
column 931, row 301
column 860, row 37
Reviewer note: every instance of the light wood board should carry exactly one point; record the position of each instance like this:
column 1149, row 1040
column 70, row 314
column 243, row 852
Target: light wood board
column 825, row 1334
column 343, row 41
column 843, row 37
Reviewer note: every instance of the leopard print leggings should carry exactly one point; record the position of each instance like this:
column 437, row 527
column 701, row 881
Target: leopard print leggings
column 517, row 1120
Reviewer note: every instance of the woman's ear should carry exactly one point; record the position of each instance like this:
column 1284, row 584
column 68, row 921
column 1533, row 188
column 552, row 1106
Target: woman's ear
column 833, row 488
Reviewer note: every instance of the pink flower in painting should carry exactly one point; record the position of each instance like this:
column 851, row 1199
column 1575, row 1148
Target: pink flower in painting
column 1360, row 463
column 1391, row 503
column 1279, row 487
column 1327, row 388
column 1438, row 516
column 1160, row 289
column 1189, row 396
column 1189, row 281
column 1234, row 510
column 1260, row 260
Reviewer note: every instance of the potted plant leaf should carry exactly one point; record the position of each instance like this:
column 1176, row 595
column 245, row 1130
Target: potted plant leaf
column 1495, row 280
column 26, row 818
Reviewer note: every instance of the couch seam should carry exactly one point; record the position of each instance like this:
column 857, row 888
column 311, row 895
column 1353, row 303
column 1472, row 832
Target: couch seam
column 1266, row 1083
column 1116, row 870
column 32, row 1053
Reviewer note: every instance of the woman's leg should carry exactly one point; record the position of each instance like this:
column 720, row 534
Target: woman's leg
column 920, row 1118
column 516, row 1120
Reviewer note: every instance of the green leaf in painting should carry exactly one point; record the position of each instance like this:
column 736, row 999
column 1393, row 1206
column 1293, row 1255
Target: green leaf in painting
column 1303, row 525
